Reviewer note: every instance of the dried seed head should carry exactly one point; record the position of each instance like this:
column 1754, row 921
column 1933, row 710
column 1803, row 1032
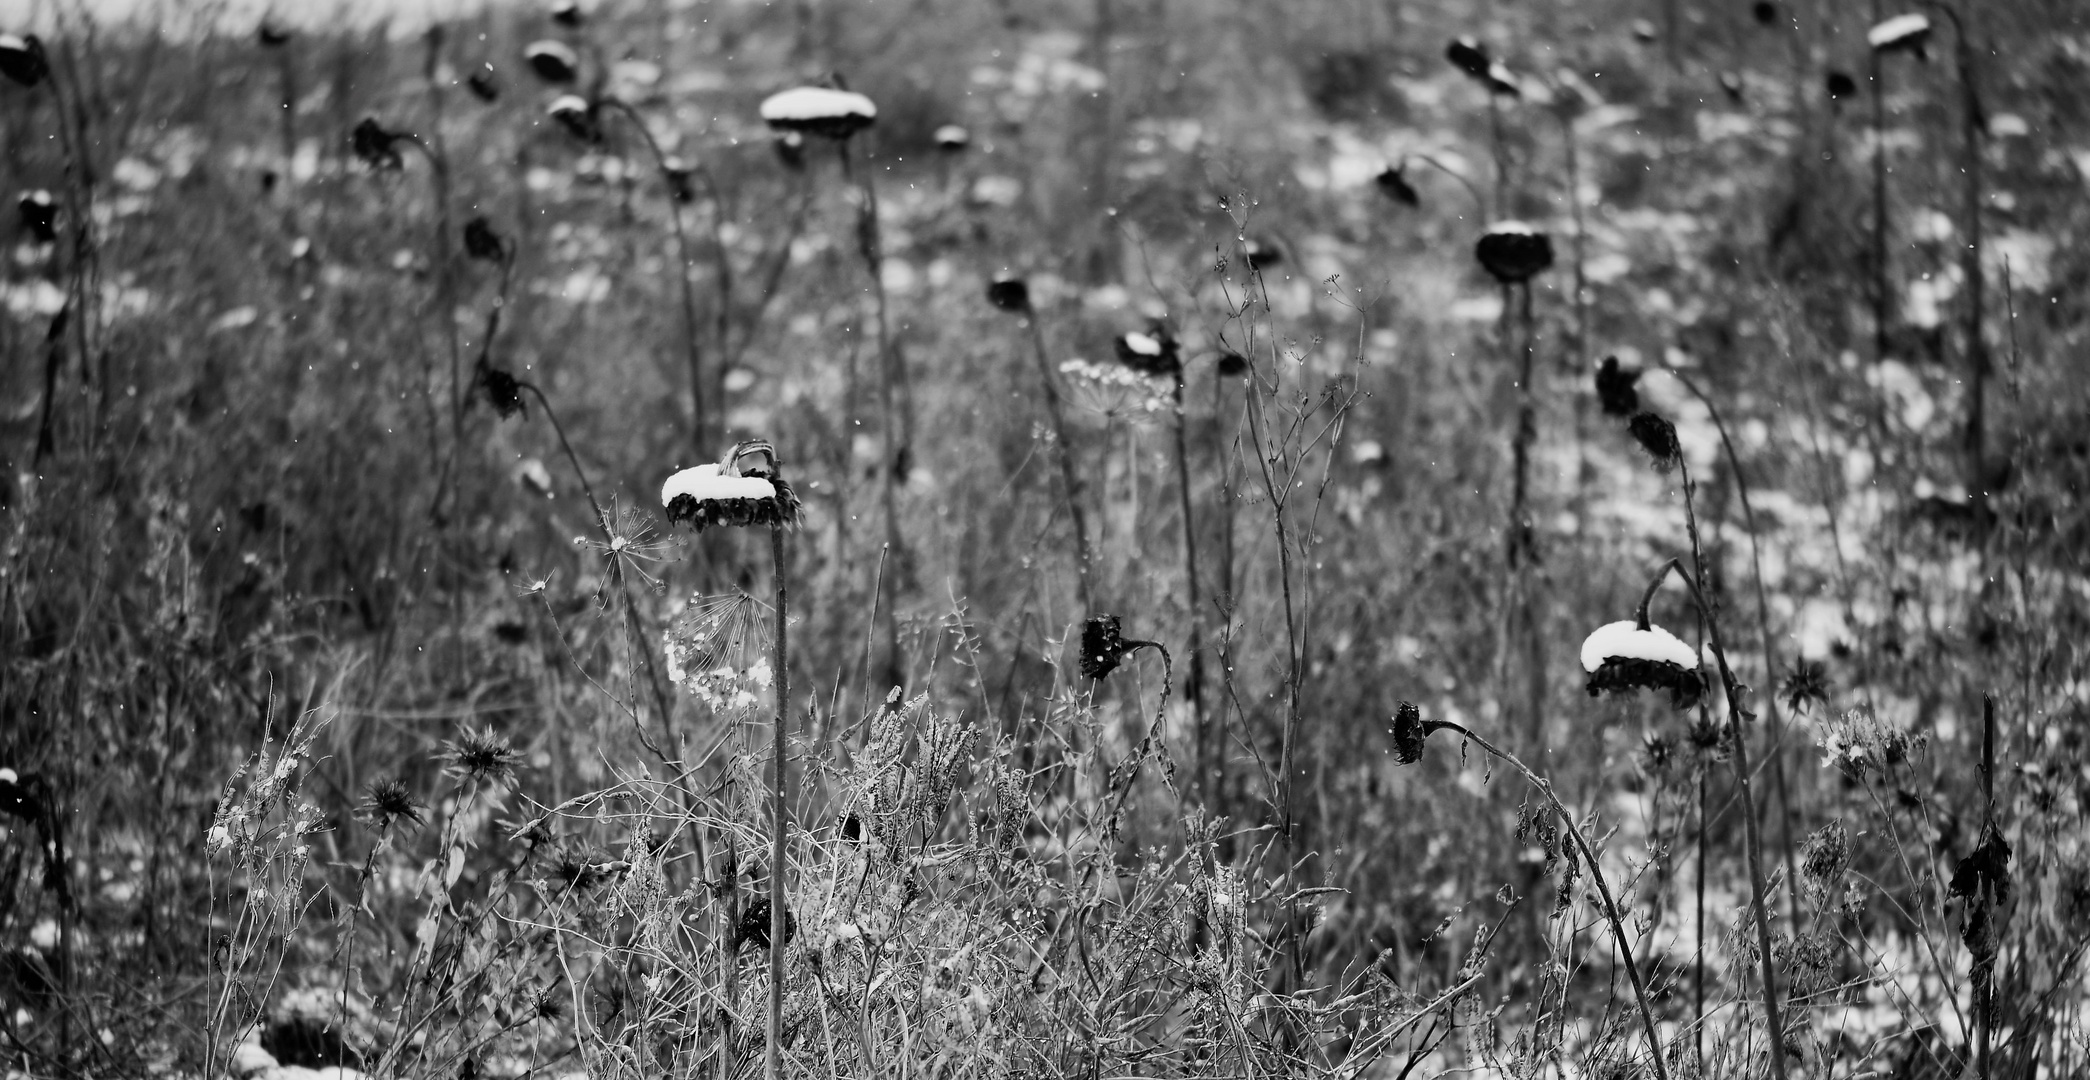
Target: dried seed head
column 375, row 146
column 566, row 13
column 1615, row 388
column 39, row 213
column 577, row 115
column 1468, row 55
column 1512, row 251
column 1393, row 182
column 1102, row 646
column 22, row 59
column 1152, row 353
column 481, row 757
column 1840, row 85
column 482, row 84
column 747, row 488
column 819, row 110
column 952, row 139
column 1623, row 657
column 553, row 61
column 754, row 924
column 1409, row 736
column 1658, row 437
column 1232, row 364
column 503, row 391
column 482, row 242
column 1822, row 861
column 1809, row 681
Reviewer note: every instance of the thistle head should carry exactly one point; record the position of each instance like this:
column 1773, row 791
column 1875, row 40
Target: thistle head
column 389, row 802
column 482, row 757
column 1615, row 388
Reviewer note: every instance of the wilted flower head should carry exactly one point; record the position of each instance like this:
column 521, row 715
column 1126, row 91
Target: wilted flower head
column 1902, row 33
column 1615, row 388
column 1260, row 255
column 1764, row 11
column 1658, row 437
column 388, row 801
column 1513, row 251
column 481, row 83
column 1232, row 364
column 271, row 35
column 1393, row 182
column 1840, row 85
column 22, row 59
column 1009, row 294
column 482, row 242
column 553, row 61
column 951, row 138
column 1809, row 681
column 1409, row 734
column 503, row 391
column 818, row 110
column 566, row 12
column 1625, row 656
column 1152, row 353
column 39, row 215
column 1823, row 858
column 1859, row 743
column 679, row 175
column 1103, row 646
column 1468, row 55
column 481, row 757
column 375, row 146
column 746, row 488
column 577, row 115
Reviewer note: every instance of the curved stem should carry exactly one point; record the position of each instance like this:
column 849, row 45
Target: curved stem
column 693, row 350
column 772, row 1050
column 1596, row 874
column 1480, row 203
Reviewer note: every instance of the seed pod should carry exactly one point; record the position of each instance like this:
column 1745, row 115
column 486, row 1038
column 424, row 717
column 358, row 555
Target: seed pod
column 817, row 110
column 553, row 61
column 1009, row 294
column 1513, row 251
column 22, row 59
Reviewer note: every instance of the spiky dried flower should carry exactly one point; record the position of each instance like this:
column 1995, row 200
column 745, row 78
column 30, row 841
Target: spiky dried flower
column 1658, row 437
column 1623, row 657
column 1823, row 858
column 1102, row 646
column 1409, row 735
column 388, row 802
column 376, row 147
column 482, row 757
column 745, row 488
column 1615, row 388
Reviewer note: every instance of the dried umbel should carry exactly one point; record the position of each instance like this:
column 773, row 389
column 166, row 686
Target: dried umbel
column 1513, row 251
column 1615, row 388
column 1009, row 294
column 553, row 61
column 1409, row 734
column 1631, row 655
column 374, row 146
column 819, row 110
column 1153, row 353
column 39, row 215
column 1393, row 183
column 746, row 488
column 22, row 59
column 1658, row 437
column 1902, row 33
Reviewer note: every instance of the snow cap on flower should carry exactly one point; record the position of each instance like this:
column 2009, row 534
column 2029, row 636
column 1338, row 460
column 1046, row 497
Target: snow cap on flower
column 1902, row 33
column 952, row 138
column 836, row 114
column 1624, row 656
column 1151, row 353
column 1501, row 80
column 743, row 489
column 573, row 112
column 553, row 61
column 22, row 59
column 1658, row 437
column 1513, row 251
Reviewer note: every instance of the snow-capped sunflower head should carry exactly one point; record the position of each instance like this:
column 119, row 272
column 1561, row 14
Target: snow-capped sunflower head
column 819, row 110
column 576, row 115
column 745, row 488
column 1902, row 33
column 1151, row 353
column 1513, row 251
column 22, row 59
column 1625, row 656
column 952, row 139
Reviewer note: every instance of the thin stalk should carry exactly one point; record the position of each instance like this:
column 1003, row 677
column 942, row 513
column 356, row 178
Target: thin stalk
column 896, row 417
column 692, row 349
column 1070, row 477
column 1970, row 265
column 1754, row 842
column 1879, row 199
column 1196, row 676
column 773, row 1067
column 1698, row 1001
column 1596, row 874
